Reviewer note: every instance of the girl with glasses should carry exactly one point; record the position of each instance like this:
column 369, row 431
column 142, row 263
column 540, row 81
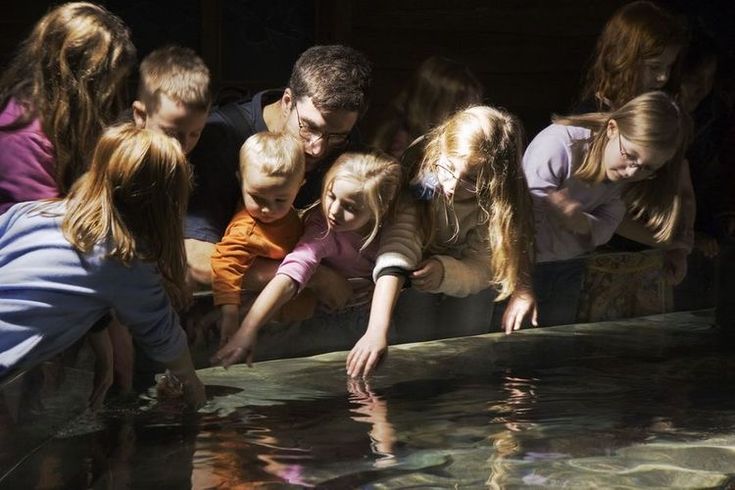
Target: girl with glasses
column 467, row 227
column 581, row 170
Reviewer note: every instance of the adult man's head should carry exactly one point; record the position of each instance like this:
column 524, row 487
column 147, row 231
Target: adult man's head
column 326, row 94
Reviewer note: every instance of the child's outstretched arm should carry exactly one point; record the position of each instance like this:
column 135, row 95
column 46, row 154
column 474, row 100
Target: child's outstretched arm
column 241, row 346
column 368, row 351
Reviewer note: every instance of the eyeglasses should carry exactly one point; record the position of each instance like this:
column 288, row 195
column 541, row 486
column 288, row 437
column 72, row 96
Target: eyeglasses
column 311, row 135
column 467, row 184
column 642, row 170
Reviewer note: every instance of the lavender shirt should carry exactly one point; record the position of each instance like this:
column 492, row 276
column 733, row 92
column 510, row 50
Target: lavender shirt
column 340, row 251
column 549, row 164
column 26, row 161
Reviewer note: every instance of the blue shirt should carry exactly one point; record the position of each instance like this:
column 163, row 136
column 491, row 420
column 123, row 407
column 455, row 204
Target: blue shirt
column 51, row 295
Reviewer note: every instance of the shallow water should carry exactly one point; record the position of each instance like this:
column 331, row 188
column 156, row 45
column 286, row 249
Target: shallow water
column 643, row 403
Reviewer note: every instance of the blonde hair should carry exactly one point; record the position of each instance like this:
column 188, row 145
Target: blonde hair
column 380, row 178
column 132, row 200
column 439, row 87
column 178, row 73
column 70, row 73
column 652, row 120
column 490, row 140
column 275, row 154
column 637, row 31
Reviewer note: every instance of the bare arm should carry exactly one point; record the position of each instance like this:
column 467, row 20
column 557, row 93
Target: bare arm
column 367, row 352
column 278, row 291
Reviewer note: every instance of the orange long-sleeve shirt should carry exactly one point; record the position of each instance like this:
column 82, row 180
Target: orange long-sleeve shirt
column 244, row 240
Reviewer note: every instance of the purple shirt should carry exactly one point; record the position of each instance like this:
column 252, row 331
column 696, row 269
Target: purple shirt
column 549, row 164
column 340, row 251
column 26, row 161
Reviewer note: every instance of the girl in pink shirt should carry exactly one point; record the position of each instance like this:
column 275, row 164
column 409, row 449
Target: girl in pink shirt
column 357, row 193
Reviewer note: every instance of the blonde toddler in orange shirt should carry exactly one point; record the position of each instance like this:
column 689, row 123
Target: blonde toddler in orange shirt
column 271, row 174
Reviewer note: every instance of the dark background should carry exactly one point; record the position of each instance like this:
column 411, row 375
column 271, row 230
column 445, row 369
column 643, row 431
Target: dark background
column 530, row 54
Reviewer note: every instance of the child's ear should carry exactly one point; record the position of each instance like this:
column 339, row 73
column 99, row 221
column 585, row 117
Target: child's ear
column 139, row 114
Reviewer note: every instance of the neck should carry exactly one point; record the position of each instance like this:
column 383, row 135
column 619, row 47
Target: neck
column 274, row 118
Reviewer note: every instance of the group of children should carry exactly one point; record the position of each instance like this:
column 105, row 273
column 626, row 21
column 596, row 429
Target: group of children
column 288, row 214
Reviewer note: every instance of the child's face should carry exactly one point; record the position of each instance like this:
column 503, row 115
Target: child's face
column 173, row 119
column 268, row 198
column 345, row 208
column 655, row 72
column 628, row 161
column 457, row 178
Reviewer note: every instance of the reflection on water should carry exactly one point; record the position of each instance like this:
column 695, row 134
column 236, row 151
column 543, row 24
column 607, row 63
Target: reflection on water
column 598, row 413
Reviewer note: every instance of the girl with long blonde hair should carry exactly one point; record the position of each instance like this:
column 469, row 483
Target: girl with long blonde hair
column 64, row 85
column 581, row 171
column 114, row 243
column 342, row 232
column 467, row 228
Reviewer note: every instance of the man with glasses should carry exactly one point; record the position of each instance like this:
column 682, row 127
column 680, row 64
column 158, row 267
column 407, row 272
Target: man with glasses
column 326, row 94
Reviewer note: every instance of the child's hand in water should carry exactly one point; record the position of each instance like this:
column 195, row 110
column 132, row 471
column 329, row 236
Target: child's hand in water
column 522, row 304
column 428, row 276
column 194, row 392
column 241, row 346
column 366, row 355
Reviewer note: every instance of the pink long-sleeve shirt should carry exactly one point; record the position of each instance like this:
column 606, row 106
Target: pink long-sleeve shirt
column 340, row 251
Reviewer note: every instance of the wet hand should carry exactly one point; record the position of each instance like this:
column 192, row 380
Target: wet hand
column 194, row 393
column 428, row 276
column 522, row 305
column 366, row 355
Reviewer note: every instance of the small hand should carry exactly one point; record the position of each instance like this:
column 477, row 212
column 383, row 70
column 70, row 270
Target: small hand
column 522, row 304
column 568, row 211
column 241, row 346
column 366, row 355
column 428, row 276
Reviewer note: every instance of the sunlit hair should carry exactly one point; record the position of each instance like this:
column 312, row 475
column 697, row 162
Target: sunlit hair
column 440, row 87
column 490, row 140
column 378, row 174
column 274, row 154
column 178, row 73
column 71, row 74
column 652, row 120
column 132, row 201
column 336, row 77
column 636, row 32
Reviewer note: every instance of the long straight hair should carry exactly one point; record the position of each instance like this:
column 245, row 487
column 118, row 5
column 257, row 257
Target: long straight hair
column 70, row 73
column 490, row 140
column 132, row 200
column 652, row 120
